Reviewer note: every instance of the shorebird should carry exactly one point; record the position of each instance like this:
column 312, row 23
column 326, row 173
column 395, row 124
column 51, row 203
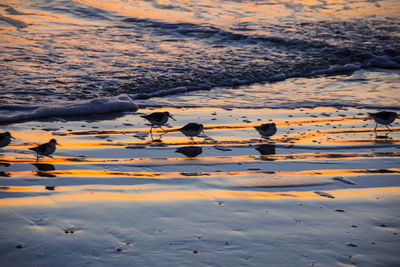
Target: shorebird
column 266, row 130
column 158, row 119
column 190, row 151
column 5, row 139
column 384, row 117
column 192, row 129
column 45, row 149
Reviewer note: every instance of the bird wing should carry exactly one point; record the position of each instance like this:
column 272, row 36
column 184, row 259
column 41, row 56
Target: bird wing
column 157, row 117
column 40, row 148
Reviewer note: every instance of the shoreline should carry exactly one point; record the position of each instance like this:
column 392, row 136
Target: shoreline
column 367, row 93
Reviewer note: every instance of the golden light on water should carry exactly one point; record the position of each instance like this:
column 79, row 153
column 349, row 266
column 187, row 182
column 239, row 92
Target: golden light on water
column 215, row 195
column 208, row 175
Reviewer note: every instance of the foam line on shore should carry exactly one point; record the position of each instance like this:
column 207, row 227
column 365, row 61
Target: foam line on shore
column 14, row 113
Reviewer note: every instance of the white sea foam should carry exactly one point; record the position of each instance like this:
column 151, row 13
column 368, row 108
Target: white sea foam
column 176, row 90
column 337, row 69
column 13, row 113
column 382, row 62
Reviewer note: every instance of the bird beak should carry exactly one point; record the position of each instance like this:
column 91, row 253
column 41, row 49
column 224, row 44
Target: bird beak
column 58, row 144
column 172, row 117
column 12, row 137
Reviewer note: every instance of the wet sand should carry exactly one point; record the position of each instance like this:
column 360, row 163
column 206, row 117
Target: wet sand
column 323, row 191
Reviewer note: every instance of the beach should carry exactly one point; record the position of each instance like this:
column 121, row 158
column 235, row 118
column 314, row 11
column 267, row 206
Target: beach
column 322, row 191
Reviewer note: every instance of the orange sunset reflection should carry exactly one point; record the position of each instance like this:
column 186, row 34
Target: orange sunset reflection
column 167, row 196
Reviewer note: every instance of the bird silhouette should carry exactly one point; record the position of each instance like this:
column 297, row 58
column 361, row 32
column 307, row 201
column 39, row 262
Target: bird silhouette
column 192, row 129
column 45, row 149
column 5, row 139
column 157, row 119
column 266, row 130
column 384, row 117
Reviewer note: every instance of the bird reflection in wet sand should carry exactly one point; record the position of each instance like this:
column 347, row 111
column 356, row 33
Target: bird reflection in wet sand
column 157, row 119
column 5, row 174
column 44, row 166
column 383, row 139
column 157, row 141
column 190, row 151
column 266, row 130
column 5, row 164
column 266, row 150
column 384, row 118
column 44, row 169
column 5, row 139
column 45, row 149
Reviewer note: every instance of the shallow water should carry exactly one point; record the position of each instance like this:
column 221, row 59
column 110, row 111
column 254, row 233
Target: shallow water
column 311, row 147
column 72, row 50
column 378, row 89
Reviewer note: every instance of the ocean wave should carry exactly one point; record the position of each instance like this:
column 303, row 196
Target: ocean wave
column 14, row 113
column 234, row 58
column 73, row 50
column 13, row 22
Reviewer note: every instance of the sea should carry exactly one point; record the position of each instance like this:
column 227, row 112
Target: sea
column 80, row 57
column 323, row 191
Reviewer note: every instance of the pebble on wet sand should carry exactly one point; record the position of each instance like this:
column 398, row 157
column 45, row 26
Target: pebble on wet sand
column 324, row 194
column 339, row 210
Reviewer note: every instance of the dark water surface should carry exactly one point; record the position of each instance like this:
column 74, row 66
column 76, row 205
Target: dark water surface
column 56, row 51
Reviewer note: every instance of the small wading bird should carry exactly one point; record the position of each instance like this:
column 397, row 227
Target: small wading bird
column 384, row 117
column 192, row 129
column 45, row 149
column 5, row 139
column 157, row 119
column 266, row 130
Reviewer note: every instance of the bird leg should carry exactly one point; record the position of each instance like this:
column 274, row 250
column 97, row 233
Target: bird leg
column 37, row 157
column 388, row 127
column 151, row 132
column 163, row 130
column 376, row 125
column 161, row 135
